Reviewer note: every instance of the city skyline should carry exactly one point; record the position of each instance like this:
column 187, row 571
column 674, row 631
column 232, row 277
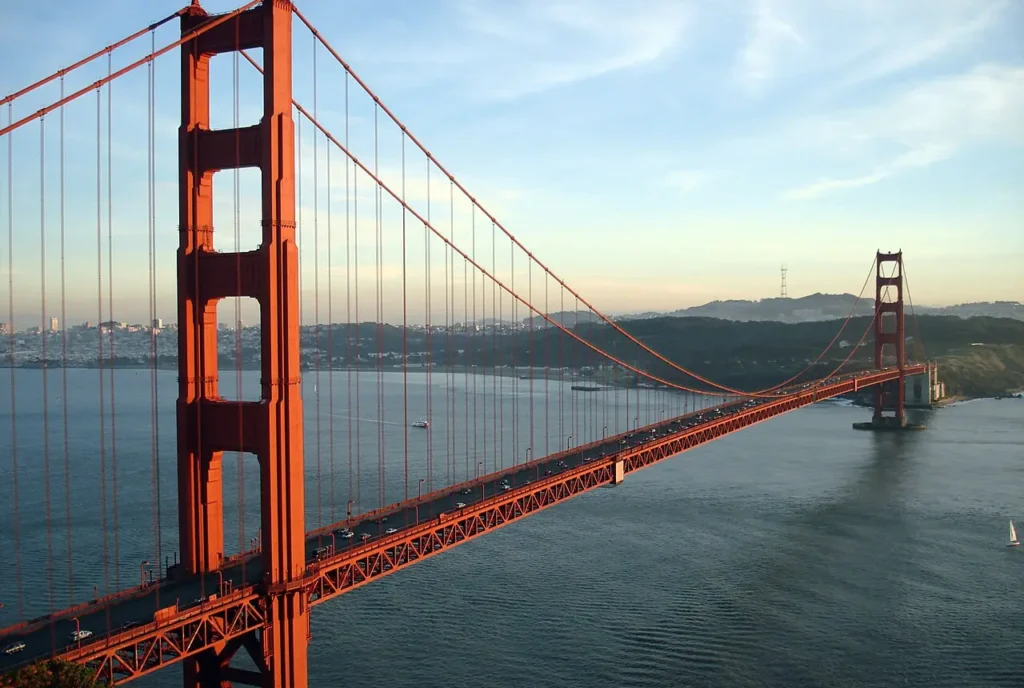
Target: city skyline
column 652, row 122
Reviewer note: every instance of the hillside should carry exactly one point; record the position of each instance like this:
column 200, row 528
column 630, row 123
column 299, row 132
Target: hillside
column 797, row 310
column 984, row 356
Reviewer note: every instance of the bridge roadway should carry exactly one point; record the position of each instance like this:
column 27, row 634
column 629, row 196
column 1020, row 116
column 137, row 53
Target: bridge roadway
column 136, row 608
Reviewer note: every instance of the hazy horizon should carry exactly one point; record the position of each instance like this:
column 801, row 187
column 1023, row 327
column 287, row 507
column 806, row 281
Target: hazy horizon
column 23, row 323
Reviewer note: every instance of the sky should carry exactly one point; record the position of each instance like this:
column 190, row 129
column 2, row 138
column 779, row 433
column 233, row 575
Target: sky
column 655, row 155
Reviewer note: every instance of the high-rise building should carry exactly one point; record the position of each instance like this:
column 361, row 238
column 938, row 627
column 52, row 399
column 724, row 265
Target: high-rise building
column 158, row 323
column 53, row 325
column 4, row 328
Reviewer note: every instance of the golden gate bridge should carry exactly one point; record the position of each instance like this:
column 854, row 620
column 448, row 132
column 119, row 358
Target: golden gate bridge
column 507, row 453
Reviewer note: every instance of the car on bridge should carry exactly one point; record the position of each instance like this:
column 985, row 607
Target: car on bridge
column 14, row 648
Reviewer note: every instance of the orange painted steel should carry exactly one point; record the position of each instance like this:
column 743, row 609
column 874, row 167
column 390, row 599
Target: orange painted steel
column 270, row 428
column 222, row 625
column 336, row 575
column 183, row 634
column 890, row 397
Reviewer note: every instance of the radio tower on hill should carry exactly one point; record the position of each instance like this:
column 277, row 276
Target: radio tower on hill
column 784, row 293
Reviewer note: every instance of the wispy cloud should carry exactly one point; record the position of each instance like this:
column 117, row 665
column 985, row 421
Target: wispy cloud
column 927, row 124
column 852, row 42
column 501, row 51
column 909, row 41
column 770, row 40
column 922, row 157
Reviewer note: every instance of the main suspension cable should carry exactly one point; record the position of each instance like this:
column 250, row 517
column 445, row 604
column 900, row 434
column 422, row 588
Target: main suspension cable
column 382, row 186
column 61, row 73
column 607, row 320
column 194, row 33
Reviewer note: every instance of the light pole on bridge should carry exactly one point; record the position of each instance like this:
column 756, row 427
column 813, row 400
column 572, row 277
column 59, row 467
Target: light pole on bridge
column 419, row 495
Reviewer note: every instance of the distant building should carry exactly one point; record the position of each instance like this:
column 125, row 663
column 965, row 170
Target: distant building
column 158, row 323
column 4, row 328
column 53, row 325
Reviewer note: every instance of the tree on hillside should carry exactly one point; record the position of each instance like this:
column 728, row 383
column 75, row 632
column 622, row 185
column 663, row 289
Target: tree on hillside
column 52, row 673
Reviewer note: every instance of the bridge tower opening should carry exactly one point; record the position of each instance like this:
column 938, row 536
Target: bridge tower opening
column 270, row 428
column 889, row 338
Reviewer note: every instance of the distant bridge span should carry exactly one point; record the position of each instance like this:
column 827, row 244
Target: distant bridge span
column 188, row 628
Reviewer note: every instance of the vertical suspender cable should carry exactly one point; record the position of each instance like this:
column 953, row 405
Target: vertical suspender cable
column 405, row 336
column 500, row 356
column 316, row 295
column 330, row 337
column 495, row 363
column 448, row 393
column 451, row 327
column 15, row 520
column 64, row 362
column 471, row 342
column 515, row 358
column 349, row 361
column 153, row 354
column 481, row 332
column 561, row 370
column 99, row 340
column 547, row 373
column 378, row 297
column 44, row 333
column 529, row 270
column 110, row 315
column 429, row 359
column 355, row 272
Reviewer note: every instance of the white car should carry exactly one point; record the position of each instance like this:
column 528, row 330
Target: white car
column 391, row 531
column 80, row 635
column 14, row 648
column 460, row 505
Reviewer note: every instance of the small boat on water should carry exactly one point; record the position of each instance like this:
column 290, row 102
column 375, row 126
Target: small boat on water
column 1014, row 542
column 421, row 424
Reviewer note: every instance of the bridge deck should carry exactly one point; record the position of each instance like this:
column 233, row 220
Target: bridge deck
column 425, row 527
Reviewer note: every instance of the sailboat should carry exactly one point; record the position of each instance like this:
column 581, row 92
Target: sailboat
column 1014, row 542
